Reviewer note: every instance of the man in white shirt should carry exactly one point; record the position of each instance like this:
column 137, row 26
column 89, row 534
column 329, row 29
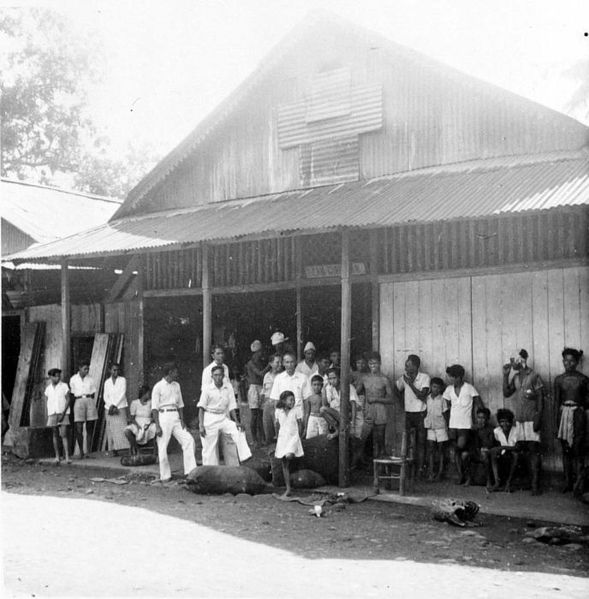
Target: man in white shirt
column 58, row 410
column 290, row 380
column 413, row 387
column 218, row 355
column 83, row 393
column 115, row 406
column 308, row 366
column 167, row 410
column 216, row 415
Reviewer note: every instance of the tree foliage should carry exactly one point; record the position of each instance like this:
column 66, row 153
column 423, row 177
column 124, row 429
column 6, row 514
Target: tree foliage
column 44, row 72
column 47, row 68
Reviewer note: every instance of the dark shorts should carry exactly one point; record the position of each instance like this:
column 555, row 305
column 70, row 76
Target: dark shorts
column 414, row 420
column 458, row 434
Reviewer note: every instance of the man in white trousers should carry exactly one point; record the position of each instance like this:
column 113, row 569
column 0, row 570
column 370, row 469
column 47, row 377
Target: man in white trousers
column 167, row 410
column 216, row 414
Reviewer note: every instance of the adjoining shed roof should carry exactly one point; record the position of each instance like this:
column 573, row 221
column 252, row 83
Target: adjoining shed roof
column 465, row 190
column 48, row 213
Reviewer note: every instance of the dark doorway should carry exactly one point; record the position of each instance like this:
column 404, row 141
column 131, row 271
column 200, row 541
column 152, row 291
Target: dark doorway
column 10, row 353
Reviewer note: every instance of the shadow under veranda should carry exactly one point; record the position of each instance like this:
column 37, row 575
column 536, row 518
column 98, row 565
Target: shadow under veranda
column 362, row 531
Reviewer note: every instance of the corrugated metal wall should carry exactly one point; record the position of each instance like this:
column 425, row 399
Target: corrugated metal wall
column 480, row 322
column 430, row 115
column 13, row 239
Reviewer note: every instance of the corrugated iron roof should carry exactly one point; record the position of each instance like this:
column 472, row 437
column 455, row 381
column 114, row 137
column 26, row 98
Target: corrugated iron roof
column 467, row 190
column 48, row 213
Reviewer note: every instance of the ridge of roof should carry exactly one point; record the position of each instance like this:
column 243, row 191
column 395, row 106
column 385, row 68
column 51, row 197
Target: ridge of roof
column 91, row 196
column 314, row 19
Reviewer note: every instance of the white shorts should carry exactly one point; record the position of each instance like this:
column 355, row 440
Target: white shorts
column 525, row 432
column 316, row 426
column 439, row 435
column 254, row 397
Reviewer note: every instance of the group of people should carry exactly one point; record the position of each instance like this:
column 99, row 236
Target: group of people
column 290, row 401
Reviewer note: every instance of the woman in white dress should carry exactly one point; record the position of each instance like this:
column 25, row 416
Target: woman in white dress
column 288, row 427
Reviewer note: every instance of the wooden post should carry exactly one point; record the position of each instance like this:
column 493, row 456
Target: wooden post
column 299, row 306
column 346, row 333
column 207, row 312
column 374, row 290
column 140, row 376
column 65, row 320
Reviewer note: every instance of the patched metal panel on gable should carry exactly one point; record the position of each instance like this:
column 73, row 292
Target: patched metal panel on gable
column 366, row 114
column 330, row 95
column 329, row 162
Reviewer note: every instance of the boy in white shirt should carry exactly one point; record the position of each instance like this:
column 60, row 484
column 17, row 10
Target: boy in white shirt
column 58, row 410
column 464, row 401
column 506, row 436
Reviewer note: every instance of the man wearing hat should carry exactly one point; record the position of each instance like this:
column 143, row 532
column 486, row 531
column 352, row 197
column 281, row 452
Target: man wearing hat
column 278, row 346
column 255, row 370
column 308, row 366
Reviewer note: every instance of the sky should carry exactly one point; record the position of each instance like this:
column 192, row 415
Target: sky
column 169, row 63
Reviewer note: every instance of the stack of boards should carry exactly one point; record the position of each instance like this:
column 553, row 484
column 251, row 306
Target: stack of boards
column 107, row 348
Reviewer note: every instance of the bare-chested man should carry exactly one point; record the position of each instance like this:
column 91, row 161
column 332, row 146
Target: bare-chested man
column 379, row 393
column 571, row 396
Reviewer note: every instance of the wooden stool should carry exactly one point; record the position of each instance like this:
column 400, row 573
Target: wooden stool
column 394, row 468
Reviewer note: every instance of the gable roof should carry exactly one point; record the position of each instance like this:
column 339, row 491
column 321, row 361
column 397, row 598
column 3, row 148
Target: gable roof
column 467, row 190
column 48, row 213
column 313, row 27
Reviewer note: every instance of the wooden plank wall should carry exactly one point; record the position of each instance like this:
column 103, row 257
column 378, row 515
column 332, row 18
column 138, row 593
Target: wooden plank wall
column 126, row 317
column 480, row 322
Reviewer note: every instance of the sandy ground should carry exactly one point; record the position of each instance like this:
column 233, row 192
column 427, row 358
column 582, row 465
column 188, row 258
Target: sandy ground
column 65, row 535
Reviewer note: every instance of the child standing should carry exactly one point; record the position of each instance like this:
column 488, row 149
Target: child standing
column 58, row 410
column 288, row 426
column 315, row 424
column 255, row 370
column 436, row 424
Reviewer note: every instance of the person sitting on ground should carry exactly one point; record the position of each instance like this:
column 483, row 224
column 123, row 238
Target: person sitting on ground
column 483, row 441
column 436, row 425
column 314, row 423
column 308, row 366
column 141, row 428
column 255, row 369
column 506, row 453
column 289, row 429
column 464, row 400
column 379, row 394
column 58, row 411
column 571, row 398
column 217, row 414
column 268, row 417
column 528, row 390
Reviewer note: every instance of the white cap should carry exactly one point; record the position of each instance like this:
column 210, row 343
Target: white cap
column 309, row 345
column 277, row 338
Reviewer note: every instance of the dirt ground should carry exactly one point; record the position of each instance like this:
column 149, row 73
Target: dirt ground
column 364, row 531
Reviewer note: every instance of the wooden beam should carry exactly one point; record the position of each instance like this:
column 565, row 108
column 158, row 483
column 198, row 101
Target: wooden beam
column 374, row 290
column 65, row 320
column 346, row 333
column 299, row 303
column 124, row 279
column 140, row 376
column 207, row 308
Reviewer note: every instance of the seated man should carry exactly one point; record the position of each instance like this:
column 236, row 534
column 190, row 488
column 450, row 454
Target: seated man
column 479, row 453
column 141, row 428
column 506, row 453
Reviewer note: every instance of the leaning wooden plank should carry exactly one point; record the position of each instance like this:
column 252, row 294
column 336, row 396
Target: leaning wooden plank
column 35, row 386
column 22, row 374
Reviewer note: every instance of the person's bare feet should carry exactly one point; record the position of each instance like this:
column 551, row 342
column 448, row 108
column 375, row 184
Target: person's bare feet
column 287, row 493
